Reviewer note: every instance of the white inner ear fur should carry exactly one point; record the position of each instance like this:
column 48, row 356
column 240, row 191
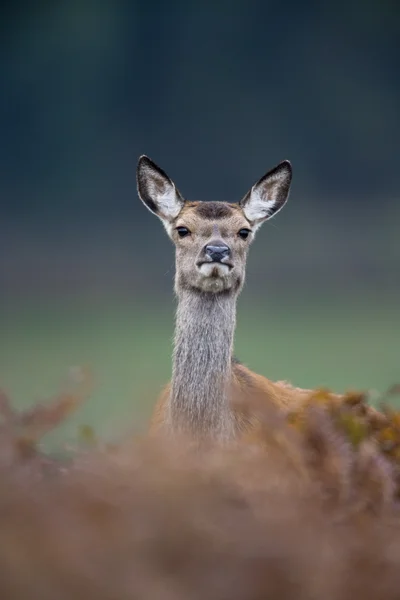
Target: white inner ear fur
column 167, row 201
column 257, row 208
column 263, row 201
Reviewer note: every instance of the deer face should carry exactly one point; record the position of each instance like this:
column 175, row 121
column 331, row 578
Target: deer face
column 211, row 238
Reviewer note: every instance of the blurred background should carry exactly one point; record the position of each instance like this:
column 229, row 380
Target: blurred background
column 216, row 94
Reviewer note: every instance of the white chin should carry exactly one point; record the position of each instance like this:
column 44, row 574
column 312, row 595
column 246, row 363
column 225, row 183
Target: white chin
column 214, row 270
column 214, row 277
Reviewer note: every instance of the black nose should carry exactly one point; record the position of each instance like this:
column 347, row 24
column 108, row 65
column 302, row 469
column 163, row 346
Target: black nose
column 217, row 253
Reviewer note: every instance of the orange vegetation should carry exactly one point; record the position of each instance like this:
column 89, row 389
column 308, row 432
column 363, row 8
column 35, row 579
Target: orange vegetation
column 307, row 508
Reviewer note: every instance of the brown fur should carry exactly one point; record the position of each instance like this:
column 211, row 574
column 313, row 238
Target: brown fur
column 245, row 384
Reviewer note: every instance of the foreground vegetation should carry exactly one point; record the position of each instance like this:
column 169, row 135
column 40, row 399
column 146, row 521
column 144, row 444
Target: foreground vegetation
column 306, row 508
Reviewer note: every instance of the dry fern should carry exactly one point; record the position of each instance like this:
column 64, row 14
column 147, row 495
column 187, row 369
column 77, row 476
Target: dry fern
column 306, row 508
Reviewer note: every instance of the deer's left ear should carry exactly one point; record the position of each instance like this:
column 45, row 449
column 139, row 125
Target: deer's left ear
column 268, row 195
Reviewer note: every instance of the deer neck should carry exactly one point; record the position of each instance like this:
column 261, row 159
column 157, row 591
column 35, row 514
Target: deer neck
column 202, row 363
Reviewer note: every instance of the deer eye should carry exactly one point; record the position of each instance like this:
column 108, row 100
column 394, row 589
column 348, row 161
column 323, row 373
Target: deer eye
column 244, row 233
column 182, row 231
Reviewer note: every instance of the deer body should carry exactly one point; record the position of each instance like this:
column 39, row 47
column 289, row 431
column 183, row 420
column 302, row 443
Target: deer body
column 206, row 377
column 212, row 241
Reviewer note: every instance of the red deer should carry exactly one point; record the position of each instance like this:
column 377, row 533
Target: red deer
column 212, row 240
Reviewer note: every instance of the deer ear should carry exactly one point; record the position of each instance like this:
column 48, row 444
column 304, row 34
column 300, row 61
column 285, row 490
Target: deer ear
column 157, row 191
column 268, row 195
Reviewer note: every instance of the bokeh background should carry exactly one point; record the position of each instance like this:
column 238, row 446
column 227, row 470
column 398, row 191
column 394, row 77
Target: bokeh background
column 217, row 94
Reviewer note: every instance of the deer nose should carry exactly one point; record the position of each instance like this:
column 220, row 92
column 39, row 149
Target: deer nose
column 217, row 252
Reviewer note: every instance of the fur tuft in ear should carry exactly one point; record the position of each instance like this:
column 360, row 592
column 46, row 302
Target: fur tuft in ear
column 157, row 191
column 268, row 195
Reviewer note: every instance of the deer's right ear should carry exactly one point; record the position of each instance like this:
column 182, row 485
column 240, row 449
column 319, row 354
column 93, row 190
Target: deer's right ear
column 157, row 191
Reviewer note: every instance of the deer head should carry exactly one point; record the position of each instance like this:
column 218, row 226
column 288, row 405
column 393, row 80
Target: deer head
column 211, row 238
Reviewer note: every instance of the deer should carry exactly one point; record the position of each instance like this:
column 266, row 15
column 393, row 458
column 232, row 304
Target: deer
column 212, row 240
